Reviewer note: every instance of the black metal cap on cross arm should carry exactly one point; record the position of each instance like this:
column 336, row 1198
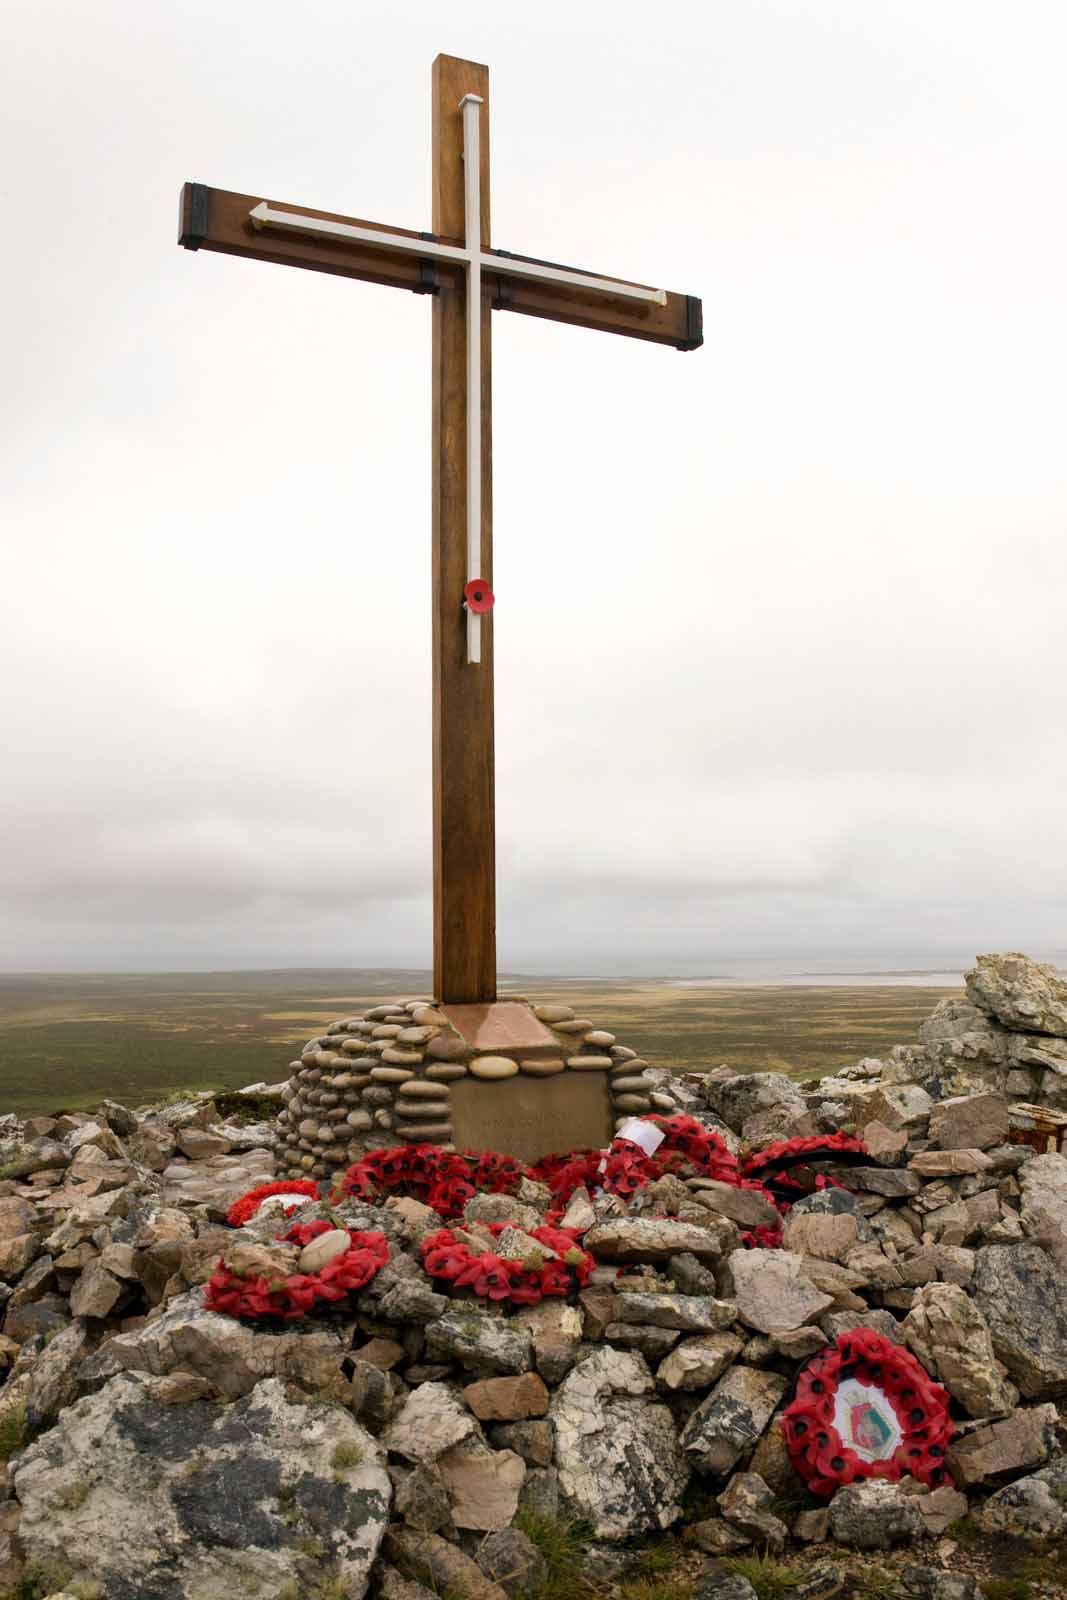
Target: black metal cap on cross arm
column 457, row 266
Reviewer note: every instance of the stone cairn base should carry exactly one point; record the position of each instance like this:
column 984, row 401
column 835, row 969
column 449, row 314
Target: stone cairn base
column 385, row 1078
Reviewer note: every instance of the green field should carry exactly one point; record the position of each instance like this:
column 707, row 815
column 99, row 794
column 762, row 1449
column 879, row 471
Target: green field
column 69, row 1040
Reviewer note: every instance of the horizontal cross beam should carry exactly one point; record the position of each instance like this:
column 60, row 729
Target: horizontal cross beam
column 323, row 241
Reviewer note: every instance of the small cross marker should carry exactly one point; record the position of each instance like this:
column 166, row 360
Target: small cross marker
column 456, row 265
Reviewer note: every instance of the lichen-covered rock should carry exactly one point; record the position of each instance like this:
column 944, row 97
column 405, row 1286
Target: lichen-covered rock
column 1027, row 1507
column 874, row 1515
column 742, row 1098
column 689, row 1313
column 1023, row 1296
column 948, row 1334
column 512, row 1560
column 262, row 1496
column 619, row 1461
column 1020, row 993
column 479, row 1342
column 1043, row 1181
column 697, row 1362
column 728, row 1424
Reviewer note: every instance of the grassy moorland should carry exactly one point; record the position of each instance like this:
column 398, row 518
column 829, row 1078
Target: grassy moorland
column 68, row 1040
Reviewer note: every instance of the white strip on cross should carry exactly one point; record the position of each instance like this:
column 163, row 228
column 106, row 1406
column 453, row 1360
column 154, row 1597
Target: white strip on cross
column 474, row 258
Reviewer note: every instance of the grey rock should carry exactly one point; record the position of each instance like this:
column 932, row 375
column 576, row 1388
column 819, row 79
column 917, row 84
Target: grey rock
column 653, row 1239
column 448, row 1568
column 539, row 1495
column 479, row 1342
column 1023, row 1296
column 743, row 1206
column 969, row 1122
column 1020, row 993
column 739, row 1097
column 748, row 1503
column 689, row 1277
column 689, row 1313
column 946, row 1331
column 720, row 1584
column 835, row 1323
column 1001, row 1450
column 510, row 1559
column 185, row 1499
column 874, row 1515
column 54, row 1375
column 651, row 1341
column 619, row 1461
column 728, row 1424
column 715, row 1536
column 421, row 1499
column 934, row 1583
column 1026, row 1507
column 698, row 1362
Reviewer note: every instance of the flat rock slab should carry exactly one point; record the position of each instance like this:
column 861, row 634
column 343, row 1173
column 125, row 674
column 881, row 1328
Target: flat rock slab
column 653, row 1239
column 773, row 1292
column 177, row 1500
column 728, row 1424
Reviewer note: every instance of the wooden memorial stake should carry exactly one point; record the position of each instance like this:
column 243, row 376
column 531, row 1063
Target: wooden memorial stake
column 466, row 277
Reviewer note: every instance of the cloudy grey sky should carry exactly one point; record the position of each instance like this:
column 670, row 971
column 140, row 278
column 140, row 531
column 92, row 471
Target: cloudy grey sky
column 781, row 628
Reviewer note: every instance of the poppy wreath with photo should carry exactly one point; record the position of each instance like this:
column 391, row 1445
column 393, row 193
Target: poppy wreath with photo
column 298, row 1293
column 562, row 1265
column 865, row 1408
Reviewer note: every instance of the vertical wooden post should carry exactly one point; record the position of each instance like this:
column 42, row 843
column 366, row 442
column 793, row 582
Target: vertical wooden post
column 464, row 829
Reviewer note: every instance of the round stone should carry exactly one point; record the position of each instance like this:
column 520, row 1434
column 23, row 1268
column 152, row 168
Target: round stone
column 377, row 1095
column 494, row 1067
column 419, row 1089
column 383, row 1118
column 413, row 1110
column 634, row 1064
column 598, row 1037
column 630, row 1085
column 447, row 1047
column 352, row 1047
column 377, row 1014
column 619, row 1052
column 386, row 1030
column 590, row 1063
column 390, row 1074
column 433, row 1132
column 311, row 1074
column 446, row 1072
column 553, row 1014
column 395, row 1057
column 577, row 1025
column 632, row 1102
column 358, row 1119
column 307, row 1162
column 414, row 1035
column 308, row 1128
column 541, row 1069
column 325, row 1058
column 662, row 1101
column 336, row 1155
column 328, row 1098
column 324, row 1133
column 429, row 1017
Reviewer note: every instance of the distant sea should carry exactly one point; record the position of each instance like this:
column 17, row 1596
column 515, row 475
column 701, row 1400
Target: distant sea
column 893, row 971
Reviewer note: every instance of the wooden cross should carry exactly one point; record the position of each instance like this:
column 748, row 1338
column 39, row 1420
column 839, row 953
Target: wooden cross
column 456, row 265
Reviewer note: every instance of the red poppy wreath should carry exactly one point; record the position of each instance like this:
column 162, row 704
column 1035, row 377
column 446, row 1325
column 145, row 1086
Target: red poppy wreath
column 562, row 1265
column 299, row 1292
column 865, row 1408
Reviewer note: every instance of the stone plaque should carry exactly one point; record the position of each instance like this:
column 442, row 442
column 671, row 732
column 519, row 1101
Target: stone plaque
column 533, row 1117
column 507, row 1026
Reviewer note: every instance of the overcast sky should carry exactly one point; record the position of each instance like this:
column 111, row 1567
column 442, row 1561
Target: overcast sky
column 781, row 626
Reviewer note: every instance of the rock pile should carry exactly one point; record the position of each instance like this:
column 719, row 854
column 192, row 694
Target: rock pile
column 408, row 1442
